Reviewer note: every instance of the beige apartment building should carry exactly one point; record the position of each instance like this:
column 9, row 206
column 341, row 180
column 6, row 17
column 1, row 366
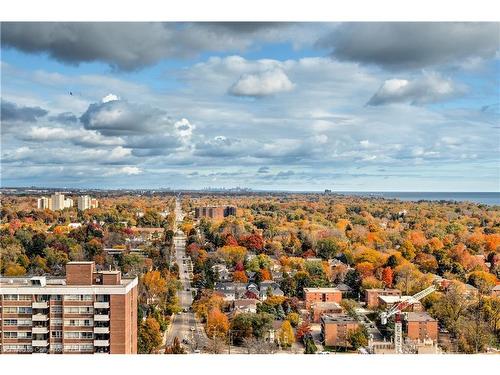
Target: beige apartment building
column 57, row 201
column 86, row 202
column 86, row 312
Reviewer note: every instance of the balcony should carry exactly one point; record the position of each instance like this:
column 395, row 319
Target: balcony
column 39, row 330
column 40, row 343
column 101, row 318
column 101, row 305
column 101, row 342
column 40, row 318
column 39, row 305
column 101, row 330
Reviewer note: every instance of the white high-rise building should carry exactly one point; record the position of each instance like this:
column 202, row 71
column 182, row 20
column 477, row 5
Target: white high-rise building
column 44, row 203
column 57, row 201
column 83, row 202
column 86, row 201
column 68, row 203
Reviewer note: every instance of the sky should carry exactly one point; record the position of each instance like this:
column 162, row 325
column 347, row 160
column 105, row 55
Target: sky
column 269, row 106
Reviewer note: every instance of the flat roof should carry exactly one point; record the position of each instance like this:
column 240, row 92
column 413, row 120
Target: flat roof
column 57, row 285
column 327, row 305
column 338, row 318
column 419, row 317
column 383, row 290
column 321, row 290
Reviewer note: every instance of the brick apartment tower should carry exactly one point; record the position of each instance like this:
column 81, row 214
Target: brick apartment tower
column 86, row 312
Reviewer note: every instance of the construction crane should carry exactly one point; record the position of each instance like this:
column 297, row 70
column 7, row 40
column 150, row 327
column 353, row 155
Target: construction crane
column 396, row 309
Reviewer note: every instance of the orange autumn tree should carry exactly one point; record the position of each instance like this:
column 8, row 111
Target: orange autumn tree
column 217, row 323
column 387, row 276
column 265, row 274
column 240, row 276
column 366, row 269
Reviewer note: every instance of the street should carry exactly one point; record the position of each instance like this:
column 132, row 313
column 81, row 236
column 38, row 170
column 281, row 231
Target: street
column 185, row 325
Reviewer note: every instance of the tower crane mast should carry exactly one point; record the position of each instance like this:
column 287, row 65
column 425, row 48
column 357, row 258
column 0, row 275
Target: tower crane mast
column 396, row 309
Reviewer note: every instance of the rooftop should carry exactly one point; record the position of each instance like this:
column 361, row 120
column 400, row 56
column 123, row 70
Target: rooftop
column 419, row 317
column 52, row 281
column 321, row 290
column 394, row 299
column 337, row 318
column 326, row 305
column 382, row 290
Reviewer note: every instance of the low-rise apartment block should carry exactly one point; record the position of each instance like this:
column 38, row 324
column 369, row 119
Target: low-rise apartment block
column 313, row 295
column 88, row 312
column 421, row 326
column 372, row 296
column 335, row 329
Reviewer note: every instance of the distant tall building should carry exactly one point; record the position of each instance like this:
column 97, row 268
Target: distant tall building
column 57, row 201
column 68, row 203
column 85, row 202
column 214, row 212
column 44, row 203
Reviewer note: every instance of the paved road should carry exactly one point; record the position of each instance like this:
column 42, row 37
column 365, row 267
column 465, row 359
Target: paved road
column 185, row 325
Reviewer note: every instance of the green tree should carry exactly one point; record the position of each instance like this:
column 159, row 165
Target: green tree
column 358, row 337
column 327, row 248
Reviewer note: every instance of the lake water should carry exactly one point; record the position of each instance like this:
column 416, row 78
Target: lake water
column 490, row 198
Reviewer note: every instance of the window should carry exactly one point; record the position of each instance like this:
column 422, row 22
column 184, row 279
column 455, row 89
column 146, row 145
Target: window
column 78, row 322
column 56, row 322
column 10, row 322
column 17, row 310
column 56, row 309
column 24, row 322
column 79, row 310
column 78, row 297
column 10, row 335
column 10, row 297
column 102, row 298
column 25, row 297
column 24, row 335
column 56, row 334
column 24, row 310
column 78, row 335
column 56, row 297
column 79, row 348
column 71, row 335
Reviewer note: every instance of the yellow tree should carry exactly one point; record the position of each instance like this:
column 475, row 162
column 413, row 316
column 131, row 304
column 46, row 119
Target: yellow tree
column 155, row 286
column 285, row 334
column 232, row 254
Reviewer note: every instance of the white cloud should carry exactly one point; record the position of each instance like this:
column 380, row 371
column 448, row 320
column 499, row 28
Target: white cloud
column 428, row 88
column 130, row 170
column 76, row 136
column 109, row 98
column 262, row 84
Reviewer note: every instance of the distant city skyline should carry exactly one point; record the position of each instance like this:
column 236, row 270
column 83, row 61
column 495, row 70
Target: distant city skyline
column 268, row 106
